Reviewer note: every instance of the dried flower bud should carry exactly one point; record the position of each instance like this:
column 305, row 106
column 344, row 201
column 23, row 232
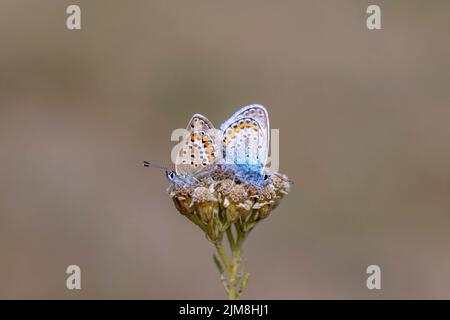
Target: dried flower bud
column 232, row 213
column 226, row 186
column 253, row 191
column 264, row 211
column 185, row 190
column 201, row 194
column 238, row 194
column 183, row 205
column 204, row 200
column 276, row 181
column 269, row 192
column 286, row 185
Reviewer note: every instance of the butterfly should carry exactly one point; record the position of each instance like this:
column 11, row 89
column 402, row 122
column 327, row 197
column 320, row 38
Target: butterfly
column 240, row 146
column 245, row 139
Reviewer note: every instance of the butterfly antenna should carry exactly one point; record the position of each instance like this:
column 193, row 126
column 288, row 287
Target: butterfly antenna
column 154, row 165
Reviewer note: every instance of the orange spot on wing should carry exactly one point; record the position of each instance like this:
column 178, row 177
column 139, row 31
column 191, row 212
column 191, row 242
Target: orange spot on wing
column 241, row 126
column 208, row 147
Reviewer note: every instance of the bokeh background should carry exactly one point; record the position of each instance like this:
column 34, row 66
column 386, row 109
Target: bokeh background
column 364, row 130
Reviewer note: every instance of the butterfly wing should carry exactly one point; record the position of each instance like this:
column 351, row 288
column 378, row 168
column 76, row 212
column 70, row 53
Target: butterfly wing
column 245, row 138
column 198, row 149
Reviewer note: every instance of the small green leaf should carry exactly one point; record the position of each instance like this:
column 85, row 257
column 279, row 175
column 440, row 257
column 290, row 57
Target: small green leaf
column 250, row 225
column 245, row 281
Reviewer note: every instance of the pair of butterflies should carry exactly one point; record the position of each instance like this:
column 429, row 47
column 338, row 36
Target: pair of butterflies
column 241, row 144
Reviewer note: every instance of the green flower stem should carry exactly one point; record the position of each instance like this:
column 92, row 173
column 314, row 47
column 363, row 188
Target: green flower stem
column 230, row 238
column 223, row 255
column 234, row 280
column 232, row 264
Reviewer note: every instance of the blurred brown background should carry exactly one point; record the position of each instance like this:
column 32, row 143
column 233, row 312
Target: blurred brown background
column 364, row 129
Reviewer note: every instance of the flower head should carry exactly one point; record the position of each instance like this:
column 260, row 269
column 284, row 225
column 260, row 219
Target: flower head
column 230, row 196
